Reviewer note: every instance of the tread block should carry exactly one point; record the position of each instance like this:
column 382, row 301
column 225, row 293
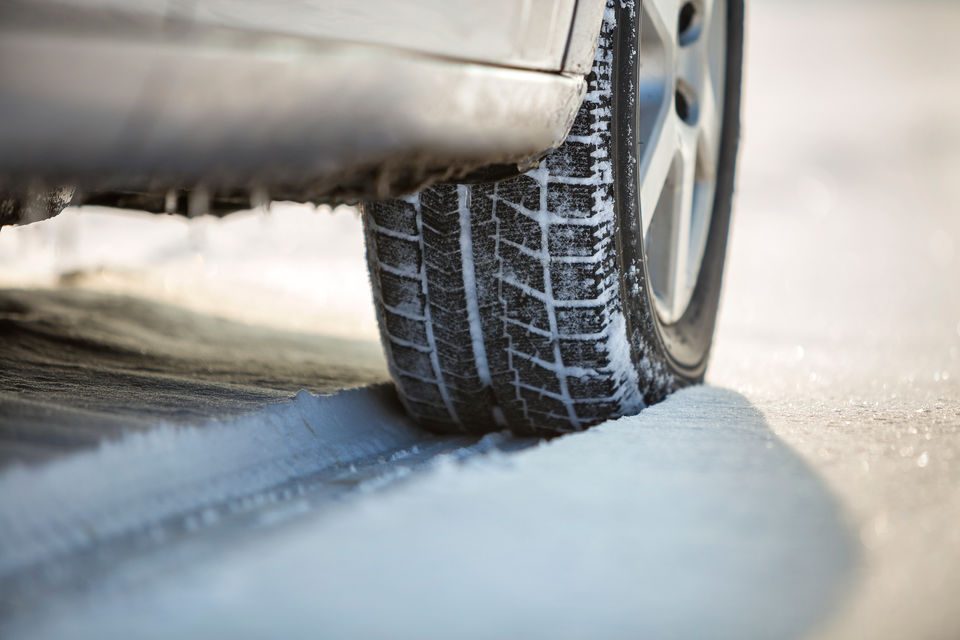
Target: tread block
column 544, row 403
column 484, row 232
column 422, row 391
column 398, row 252
column 412, row 361
column 596, row 411
column 572, row 240
column 441, row 244
column 582, row 320
column 522, row 268
column 523, row 190
column 396, row 215
column 452, row 316
column 534, row 375
column 488, row 287
column 463, row 388
column 588, row 354
column 582, row 126
column 496, row 343
column 571, row 201
column 440, row 199
column 574, row 165
column 481, row 202
column 573, row 280
column 530, row 343
column 518, row 228
column 443, row 283
column 523, row 308
column 406, row 329
column 448, row 262
column 586, row 387
column 401, row 293
column 451, row 336
column 583, row 123
column 459, row 360
column 506, row 380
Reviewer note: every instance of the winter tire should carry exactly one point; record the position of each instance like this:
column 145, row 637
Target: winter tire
column 588, row 287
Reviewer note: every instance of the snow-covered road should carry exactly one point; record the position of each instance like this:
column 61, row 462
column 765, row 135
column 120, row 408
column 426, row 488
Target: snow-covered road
column 812, row 489
column 682, row 519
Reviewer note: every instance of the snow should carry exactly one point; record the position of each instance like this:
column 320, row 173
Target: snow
column 589, row 534
column 145, row 478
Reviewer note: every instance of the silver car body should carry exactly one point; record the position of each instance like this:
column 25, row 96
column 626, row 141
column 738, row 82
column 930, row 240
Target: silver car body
column 315, row 99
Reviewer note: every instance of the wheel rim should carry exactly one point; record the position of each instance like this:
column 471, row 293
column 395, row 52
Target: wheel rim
column 680, row 117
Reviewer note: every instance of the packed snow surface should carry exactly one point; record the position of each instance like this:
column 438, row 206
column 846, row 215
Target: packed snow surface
column 172, row 470
column 683, row 519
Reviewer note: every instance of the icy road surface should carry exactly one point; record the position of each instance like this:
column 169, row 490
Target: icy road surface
column 812, row 489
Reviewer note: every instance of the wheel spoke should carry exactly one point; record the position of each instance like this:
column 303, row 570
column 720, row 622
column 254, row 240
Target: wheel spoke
column 707, row 9
column 655, row 163
column 677, row 297
column 663, row 14
column 713, row 49
column 709, row 126
column 715, row 45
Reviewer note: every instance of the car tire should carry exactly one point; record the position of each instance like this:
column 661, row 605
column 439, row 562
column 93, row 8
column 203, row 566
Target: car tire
column 532, row 303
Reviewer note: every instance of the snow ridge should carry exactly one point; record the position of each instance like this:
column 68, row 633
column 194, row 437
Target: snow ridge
column 145, row 478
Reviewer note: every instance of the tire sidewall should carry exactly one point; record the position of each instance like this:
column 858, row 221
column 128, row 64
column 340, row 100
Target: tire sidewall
column 684, row 346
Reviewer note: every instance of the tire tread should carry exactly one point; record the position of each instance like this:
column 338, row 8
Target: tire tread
column 548, row 350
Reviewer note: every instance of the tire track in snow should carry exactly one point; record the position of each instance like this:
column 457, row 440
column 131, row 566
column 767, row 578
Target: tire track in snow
column 183, row 478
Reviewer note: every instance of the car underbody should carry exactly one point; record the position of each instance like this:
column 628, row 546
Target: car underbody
column 147, row 105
